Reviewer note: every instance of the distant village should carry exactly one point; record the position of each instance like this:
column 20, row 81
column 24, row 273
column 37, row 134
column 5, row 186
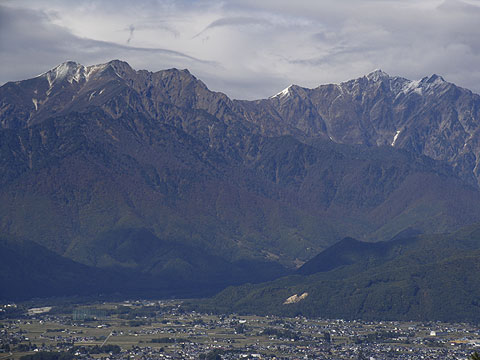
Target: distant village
column 165, row 330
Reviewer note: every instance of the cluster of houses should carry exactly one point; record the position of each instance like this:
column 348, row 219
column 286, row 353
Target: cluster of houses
column 176, row 334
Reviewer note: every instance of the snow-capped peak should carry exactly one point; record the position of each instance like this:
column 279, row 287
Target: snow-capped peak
column 283, row 93
column 70, row 71
column 377, row 74
column 434, row 80
column 425, row 84
column 412, row 86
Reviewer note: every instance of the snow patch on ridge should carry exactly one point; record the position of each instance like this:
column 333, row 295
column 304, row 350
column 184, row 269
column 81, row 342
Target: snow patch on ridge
column 71, row 72
column 425, row 84
column 283, row 93
column 377, row 75
column 395, row 138
column 91, row 70
column 413, row 86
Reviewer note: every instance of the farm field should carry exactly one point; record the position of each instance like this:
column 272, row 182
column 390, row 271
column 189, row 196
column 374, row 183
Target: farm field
column 167, row 329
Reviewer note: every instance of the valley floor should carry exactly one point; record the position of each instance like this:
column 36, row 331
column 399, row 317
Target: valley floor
column 164, row 330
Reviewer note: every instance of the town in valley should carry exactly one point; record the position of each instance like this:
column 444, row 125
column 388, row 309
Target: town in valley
column 147, row 329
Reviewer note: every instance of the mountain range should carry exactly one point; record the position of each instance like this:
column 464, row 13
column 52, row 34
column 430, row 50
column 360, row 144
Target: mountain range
column 153, row 178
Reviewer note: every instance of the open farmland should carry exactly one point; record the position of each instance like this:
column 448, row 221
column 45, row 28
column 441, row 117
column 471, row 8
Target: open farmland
column 164, row 329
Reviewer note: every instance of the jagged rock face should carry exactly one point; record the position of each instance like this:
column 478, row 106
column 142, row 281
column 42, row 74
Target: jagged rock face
column 174, row 97
column 430, row 116
column 102, row 155
column 74, row 87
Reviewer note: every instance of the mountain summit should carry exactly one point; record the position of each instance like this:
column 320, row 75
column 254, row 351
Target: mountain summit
column 377, row 75
column 430, row 116
column 152, row 176
column 72, row 71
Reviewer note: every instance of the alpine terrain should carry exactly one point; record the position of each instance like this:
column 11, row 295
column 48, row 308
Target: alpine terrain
column 152, row 185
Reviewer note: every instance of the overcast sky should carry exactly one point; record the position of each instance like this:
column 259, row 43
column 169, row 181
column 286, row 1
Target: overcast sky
column 247, row 49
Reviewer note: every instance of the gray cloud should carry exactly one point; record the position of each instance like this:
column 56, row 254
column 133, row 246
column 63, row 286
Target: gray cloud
column 233, row 21
column 156, row 25
column 43, row 46
column 254, row 49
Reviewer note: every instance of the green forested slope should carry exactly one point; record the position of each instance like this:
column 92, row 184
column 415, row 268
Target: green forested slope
column 422, row 278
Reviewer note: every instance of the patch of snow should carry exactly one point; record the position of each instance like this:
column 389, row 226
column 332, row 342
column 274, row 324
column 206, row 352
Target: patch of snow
column 283, row 93
column 101, row 92
column 476, row 167
column 435, row 80
column 35, row 103
column 395, row 138
column 420, row 86
column 340, row 88
column 91, row 95
column 413, row 86
column 50, row 80
column 70, row 70
column 79, row 74
column 90, row 70
column 468, row 140
column 67, row 70
column 377, row 74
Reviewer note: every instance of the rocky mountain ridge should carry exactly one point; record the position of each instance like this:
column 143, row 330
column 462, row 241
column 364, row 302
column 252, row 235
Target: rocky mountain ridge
column 430, row 116
column 122, row 169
